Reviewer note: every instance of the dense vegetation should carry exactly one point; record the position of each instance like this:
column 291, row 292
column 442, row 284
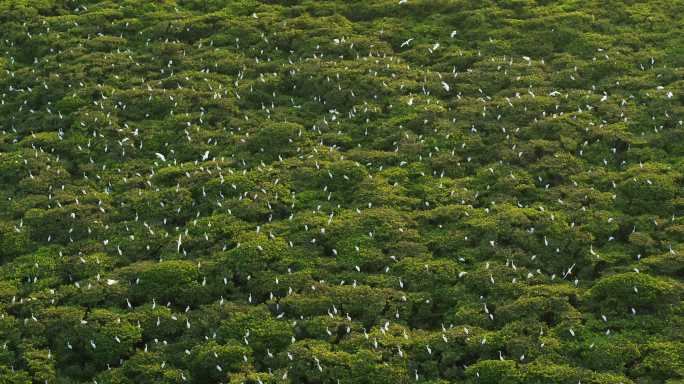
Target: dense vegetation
column 309, row 191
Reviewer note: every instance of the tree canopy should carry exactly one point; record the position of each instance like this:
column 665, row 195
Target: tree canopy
column 323, row 192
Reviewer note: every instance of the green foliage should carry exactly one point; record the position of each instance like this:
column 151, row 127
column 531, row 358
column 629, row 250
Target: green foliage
column 637, row 290
column 301, row 191
column 494, row 371
column 230, row 357
column 663, row 360
column 173, row 281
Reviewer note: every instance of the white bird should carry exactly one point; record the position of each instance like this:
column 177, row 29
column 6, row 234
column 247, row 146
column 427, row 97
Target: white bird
column 591, row 250
column 160, row 156
column 445, row 86
column 406, row 43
